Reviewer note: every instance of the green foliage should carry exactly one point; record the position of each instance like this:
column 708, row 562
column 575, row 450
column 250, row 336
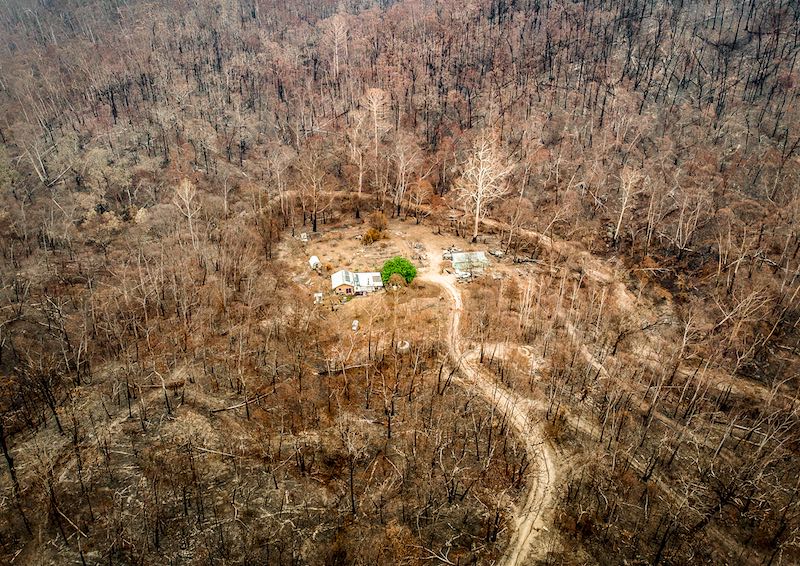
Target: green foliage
column 401, row 266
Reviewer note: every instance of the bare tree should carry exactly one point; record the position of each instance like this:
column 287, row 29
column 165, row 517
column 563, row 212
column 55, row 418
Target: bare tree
column 355, row 441
column 335, row 37
column 690, row 208
column 377, row 103
column 314, row 189
column 187, row 203
column 358, row 144
column 484, row 178
column 419, row 198
column 407, row 157
column 628, row 190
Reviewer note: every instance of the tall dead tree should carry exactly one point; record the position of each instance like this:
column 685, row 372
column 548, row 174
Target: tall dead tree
column 484, row 178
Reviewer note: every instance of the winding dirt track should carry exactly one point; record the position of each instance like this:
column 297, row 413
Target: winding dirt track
column 529, row 518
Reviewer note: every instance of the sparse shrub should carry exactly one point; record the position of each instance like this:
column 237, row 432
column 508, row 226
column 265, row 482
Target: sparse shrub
column 397, row 280
column 377, row 221
column 371, row 236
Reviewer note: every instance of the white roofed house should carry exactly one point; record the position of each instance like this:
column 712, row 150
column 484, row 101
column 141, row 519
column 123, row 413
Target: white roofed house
column 345, row 282
column 369, row 282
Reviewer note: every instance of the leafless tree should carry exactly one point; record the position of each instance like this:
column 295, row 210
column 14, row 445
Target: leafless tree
column 314, row 186
column 188, row 203
column 484, row 178
column 335, row 36
column 407, row 157
column 629, row 179
column 358, row 144
column 376, row 102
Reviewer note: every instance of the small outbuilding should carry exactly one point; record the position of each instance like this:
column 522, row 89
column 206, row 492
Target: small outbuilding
column 314, row 262
column 469, row 262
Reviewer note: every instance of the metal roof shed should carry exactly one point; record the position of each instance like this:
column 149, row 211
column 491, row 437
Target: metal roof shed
column 470, row 261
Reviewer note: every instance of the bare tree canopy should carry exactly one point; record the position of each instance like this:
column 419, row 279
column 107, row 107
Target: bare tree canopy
column 484, row 178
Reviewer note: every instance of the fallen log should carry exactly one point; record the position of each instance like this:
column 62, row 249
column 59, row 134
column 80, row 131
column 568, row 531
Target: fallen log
column 242, row 404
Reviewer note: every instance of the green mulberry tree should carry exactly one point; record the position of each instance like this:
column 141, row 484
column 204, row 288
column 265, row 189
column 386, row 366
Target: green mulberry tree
column 401, row 266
